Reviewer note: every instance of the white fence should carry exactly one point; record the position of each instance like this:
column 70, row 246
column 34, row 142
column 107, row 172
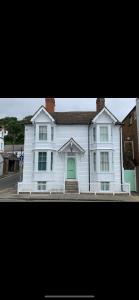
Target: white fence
column 33, row 188
column 54, row 187
column 114, row 188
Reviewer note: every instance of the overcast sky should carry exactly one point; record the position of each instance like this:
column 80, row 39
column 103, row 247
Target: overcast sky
column 21, row 107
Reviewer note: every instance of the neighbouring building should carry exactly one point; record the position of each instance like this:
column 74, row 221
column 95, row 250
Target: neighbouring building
column 131, row 147
column 3, row 133
column 3, row 162
column 73, row 151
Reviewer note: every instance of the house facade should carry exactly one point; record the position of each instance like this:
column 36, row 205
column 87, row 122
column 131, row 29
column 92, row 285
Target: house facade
column 73, row 151
column 131, row 146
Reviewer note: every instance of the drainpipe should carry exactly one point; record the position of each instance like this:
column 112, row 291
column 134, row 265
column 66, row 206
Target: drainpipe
column 89, row 153
column 121, row 156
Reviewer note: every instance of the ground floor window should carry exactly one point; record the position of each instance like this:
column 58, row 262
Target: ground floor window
column 42, row 185
column 105, row 186
column 52, row 159
column 42, row 161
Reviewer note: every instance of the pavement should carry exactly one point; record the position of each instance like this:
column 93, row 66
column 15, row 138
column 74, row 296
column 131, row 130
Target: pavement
column 8, row 193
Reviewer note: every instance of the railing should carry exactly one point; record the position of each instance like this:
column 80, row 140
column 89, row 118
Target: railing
column 51, row 187
column 95, row 187
column 114, row 188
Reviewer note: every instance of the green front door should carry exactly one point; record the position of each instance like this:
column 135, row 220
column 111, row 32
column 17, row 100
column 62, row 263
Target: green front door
column 71, row 168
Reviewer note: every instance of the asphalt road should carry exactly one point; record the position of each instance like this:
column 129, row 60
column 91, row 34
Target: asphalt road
column 9, row 183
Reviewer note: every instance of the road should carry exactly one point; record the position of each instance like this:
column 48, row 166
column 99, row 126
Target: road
column 9, row 183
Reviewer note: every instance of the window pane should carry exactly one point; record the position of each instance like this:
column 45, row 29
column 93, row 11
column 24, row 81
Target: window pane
column 105, row 186
column 104, row 134
column 104, row 161
column 41, row 185
column 42, row 132
column 42, row 161
column 52, row 133
column 94, row 134
column 52, row 160
column 94, row 161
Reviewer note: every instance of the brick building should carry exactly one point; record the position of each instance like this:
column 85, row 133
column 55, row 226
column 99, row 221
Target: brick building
column 131, row 143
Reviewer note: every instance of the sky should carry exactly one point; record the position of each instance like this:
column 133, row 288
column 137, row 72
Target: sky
column 21, row 107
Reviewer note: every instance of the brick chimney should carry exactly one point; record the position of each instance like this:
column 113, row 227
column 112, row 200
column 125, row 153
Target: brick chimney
column 100, row 103
column 50, row 104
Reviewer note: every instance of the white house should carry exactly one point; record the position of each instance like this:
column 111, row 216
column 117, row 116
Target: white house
column 73, row 151
column 3, row 133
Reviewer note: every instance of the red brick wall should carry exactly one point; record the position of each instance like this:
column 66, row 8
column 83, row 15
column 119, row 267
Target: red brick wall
column 130, row 131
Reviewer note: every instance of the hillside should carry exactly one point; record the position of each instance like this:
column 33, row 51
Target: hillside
column 15, row 129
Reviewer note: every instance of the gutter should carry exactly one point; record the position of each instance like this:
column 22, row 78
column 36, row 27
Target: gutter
column 121, row 156
column 121, row 152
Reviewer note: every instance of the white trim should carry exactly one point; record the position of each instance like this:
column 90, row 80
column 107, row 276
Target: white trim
column 45, row 111
column 101, row 112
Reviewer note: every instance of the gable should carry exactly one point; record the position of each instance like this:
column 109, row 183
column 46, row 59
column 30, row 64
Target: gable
column 105, row 116
column 42, row 116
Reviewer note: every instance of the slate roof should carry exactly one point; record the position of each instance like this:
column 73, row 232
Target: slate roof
column 73, row 117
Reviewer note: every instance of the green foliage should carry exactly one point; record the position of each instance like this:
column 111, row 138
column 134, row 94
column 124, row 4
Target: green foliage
column 15, row 129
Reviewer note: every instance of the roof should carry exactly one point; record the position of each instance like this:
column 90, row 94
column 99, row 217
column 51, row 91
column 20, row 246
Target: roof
column 73, row 117
column 10, row 148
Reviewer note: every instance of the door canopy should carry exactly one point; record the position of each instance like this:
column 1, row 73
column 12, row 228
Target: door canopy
column 71, row 147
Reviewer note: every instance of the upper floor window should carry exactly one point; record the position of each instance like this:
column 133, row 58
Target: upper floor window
column 42, row 161
column 52, row 133
column 94, row 134
column 104, row 161
column 42, row 133
column 104, row 134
